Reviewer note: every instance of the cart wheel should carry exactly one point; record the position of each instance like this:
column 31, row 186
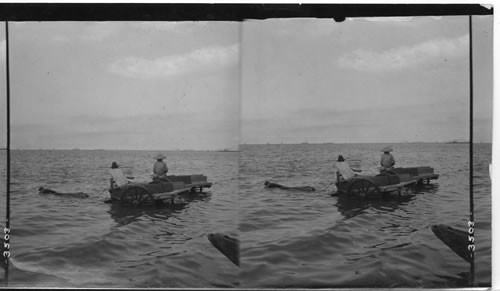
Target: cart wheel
column 363, row 188
column 137, row 195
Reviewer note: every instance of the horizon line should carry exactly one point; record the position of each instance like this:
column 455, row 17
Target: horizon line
column 107, row 149
column 243, row 144
column 365, row 142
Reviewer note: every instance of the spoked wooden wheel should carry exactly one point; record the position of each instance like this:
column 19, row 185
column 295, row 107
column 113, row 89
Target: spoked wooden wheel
column 137, row 195
column 363, row 188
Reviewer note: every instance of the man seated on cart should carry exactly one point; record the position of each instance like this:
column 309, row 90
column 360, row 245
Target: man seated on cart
column 387, row 160
column 118, row 179
column 160, row 169
column 344, row 171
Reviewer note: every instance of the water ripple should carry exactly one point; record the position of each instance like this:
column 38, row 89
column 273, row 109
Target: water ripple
column 88, row 243
column 313, row 240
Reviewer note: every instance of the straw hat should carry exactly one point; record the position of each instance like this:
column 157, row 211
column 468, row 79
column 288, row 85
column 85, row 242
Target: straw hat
column 340, row 158
column 387, row 149
column 159, row 157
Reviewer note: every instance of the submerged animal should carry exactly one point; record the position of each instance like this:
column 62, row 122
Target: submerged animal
column 268, row 184
column 42, row 190
column 227, row 245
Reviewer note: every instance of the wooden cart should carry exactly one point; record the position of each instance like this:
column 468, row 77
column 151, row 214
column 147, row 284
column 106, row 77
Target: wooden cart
column 155, row 193
column 391, row 181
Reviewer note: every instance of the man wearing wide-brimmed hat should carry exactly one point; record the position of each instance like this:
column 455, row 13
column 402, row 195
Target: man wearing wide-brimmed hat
column 387, row 160
column 160, row 168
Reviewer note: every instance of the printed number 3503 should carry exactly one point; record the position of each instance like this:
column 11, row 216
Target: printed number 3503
column 6, row 244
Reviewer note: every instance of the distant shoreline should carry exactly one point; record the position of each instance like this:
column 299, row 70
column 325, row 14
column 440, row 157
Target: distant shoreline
column 381, row 143
column 250, row 144
column 103, row 150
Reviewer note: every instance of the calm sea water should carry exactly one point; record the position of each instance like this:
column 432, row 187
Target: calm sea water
column 68, row 242
column 295, row 239
column 288, row 239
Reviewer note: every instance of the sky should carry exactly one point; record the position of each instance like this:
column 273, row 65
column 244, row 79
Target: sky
column 214, row 85
column 125, row 85
column 365, row 80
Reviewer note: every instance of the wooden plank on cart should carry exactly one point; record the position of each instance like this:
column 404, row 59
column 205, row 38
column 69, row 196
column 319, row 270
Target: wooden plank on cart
column 396, row 187
column 170, row 195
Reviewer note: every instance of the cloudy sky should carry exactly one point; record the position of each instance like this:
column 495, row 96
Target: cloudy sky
column 212, row 85
column 364, row 80
column 125, row 85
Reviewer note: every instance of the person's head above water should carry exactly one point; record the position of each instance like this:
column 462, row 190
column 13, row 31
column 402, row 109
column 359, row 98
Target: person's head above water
column 114, row 165
column 340, row 158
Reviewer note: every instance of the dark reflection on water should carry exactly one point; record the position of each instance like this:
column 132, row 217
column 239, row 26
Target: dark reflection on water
column 124, row 214
column 350, row 208
column 389, row 202
column 315, row 240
